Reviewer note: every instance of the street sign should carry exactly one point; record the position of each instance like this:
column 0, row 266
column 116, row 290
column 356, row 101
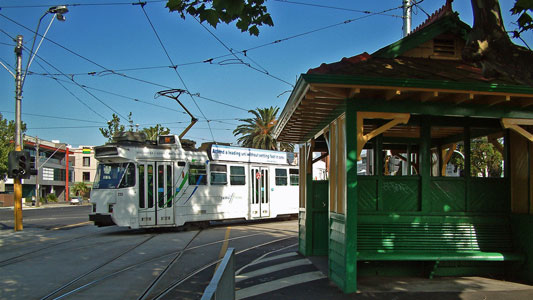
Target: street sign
column 258, row 175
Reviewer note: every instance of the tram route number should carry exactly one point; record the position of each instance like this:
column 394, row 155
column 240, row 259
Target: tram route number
column 258, row 175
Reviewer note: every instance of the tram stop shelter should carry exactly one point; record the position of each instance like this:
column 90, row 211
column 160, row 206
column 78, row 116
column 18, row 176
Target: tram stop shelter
column 430, row 164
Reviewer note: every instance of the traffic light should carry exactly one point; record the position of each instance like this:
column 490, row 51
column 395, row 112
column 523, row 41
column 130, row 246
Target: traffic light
column 19, row 165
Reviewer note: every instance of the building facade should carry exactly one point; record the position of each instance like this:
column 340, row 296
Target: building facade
column 55, row 172
column 84, row 164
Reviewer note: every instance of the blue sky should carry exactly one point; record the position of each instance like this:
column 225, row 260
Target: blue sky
column 119, row 37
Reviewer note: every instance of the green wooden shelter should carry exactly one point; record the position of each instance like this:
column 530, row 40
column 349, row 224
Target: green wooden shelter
column 430, row 164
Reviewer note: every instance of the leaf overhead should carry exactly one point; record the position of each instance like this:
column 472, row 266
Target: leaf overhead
column 249, row 15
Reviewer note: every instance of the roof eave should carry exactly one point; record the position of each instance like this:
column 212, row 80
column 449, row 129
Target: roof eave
column 295, row 98
column 416, row 83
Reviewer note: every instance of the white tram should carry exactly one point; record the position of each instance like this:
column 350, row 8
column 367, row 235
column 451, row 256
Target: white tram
column 142, row 185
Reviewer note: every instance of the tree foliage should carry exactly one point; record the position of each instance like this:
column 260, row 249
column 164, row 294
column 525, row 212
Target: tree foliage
column 80, row 189
column 114, row 126
column 249, row 14
column 256, row 132
column 485, row 159
column 523, row 8
column 153, row 132
column 7, row 136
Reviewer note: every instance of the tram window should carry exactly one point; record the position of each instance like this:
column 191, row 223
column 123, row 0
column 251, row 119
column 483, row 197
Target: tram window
column 169, row 186
column 141, row 186
column 281, row 176
column 181, row 163
column 128, row 180
column 116, row 175
column 293, row 176
column 237, row 175
column 197, row 175
column 219, row 174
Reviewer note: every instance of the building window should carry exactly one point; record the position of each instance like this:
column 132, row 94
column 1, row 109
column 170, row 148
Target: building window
column 86, row 176
column 281, row 176
column 293, row 176
column 237, row 175
column 197, row 175
column 219, row 174
column 86, row 161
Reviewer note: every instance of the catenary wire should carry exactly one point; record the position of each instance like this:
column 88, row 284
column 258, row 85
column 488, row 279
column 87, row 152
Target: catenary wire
column 81, row 4
column 337, row 8
column 175, row 69
column 83, row 88
column 264, row 71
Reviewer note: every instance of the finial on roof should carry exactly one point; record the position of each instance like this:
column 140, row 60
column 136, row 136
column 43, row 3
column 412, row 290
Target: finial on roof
column 445, row 10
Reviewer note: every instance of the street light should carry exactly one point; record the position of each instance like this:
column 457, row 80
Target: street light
column 58, row 12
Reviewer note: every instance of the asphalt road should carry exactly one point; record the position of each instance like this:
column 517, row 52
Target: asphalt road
column 47, row 218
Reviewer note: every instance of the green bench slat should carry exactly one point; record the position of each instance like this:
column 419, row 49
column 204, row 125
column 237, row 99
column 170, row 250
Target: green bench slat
column 443, row 238
column 440, row 256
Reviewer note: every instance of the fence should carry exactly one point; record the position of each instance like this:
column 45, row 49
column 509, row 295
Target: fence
column 222, row 285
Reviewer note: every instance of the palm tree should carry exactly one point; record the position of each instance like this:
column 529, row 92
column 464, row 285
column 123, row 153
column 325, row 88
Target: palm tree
column 153, row 132
column 256, row 132
column 80, row 189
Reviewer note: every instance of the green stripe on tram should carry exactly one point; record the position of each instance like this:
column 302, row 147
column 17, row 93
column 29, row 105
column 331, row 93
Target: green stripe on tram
column 179, row 189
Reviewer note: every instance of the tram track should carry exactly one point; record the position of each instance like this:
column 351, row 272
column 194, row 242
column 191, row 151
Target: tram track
column 179, row 282
column 29, row 254
column 64, row 286
column 176, row 256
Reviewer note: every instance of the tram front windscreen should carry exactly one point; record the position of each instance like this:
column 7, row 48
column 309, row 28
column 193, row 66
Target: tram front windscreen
column 114, row 175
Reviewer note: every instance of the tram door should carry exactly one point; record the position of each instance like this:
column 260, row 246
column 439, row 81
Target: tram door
column 260, row 190
column 147, row 209
column 165, row 195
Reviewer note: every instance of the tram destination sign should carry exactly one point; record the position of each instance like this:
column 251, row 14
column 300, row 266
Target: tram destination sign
column 228, row 153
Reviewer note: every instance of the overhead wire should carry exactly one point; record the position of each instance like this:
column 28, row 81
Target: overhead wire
column 53, row 117
column 72, row 94
column 264, row 71
column 80, row 86
column 175, row 69
column 81, row 4
column 115, row 72
column 337, row 8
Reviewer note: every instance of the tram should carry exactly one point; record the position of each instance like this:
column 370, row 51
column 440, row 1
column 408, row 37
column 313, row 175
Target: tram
column 142, row 184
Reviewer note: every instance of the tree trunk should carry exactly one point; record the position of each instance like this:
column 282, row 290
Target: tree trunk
column 489, row 46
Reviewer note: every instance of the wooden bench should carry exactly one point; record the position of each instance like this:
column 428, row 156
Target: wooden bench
column 435, row 238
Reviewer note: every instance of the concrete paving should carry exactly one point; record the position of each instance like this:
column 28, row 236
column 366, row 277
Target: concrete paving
column 300, row 281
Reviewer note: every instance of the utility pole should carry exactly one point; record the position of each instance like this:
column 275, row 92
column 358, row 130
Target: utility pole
column 407, row 14
column 18, row 136
column 37, row 187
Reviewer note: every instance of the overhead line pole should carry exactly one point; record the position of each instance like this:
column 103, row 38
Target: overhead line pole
column 17, row 185
column 407, row 14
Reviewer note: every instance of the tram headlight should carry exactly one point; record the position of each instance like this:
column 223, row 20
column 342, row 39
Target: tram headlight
column 110, row 208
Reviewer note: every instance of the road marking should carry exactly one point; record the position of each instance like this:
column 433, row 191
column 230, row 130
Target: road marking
column 224, row 247
column 71, row 225
column 273, row 258
column 278, row 284
column 278, row 267
column 263, row 256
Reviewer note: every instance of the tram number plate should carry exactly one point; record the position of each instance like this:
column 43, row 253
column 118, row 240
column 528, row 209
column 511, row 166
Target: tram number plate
column 258, row 175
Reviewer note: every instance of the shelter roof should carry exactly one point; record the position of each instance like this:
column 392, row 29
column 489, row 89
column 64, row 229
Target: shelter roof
column 421, row 69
